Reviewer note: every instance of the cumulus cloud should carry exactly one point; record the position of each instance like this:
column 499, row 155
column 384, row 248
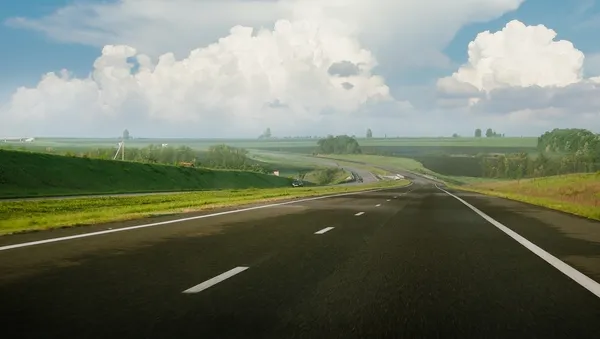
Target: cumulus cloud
column 522, row 73
column 519, row 56
column 279, row 74
column 285, row 63
column 391, row 29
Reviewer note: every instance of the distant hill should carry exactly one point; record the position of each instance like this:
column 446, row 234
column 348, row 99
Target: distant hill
column 25, row 174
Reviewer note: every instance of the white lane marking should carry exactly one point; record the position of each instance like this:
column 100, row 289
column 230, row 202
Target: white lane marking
column 359, row 213
column 210, row 282
column 396, row 197
column 583, row 280
column 324, row 230
column 46, row 241
column 377, row 205
column 389, row 200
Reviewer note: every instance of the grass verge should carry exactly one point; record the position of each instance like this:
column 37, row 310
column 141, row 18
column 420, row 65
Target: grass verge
column 577, row 194
column 26, row 174
column 327, row 176
column 21, row 216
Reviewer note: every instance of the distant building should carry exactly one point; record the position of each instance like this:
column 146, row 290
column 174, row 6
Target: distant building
column 276, row 173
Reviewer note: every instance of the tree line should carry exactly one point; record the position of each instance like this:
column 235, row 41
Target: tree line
column 489, row 133
column 341, row 144
column 217, row 157
column 560, row 151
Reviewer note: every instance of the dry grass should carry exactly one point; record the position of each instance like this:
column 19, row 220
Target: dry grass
column 575, row 193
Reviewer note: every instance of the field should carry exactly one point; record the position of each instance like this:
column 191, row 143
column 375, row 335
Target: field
column 290, row 145
column 575, row 193
column 450, row 157
column 19, row 216
column 24, row 174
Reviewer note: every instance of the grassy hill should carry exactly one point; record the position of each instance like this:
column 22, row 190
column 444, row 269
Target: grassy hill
column 574, row 193
column 327, row 176
column 24, row 174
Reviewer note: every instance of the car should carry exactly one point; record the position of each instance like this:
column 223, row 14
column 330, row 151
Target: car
column 297, row 183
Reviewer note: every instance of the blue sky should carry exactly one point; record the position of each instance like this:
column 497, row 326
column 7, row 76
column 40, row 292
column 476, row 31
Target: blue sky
column 28, row 53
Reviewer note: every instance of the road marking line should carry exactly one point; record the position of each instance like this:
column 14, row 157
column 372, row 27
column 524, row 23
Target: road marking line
column 46, row 241
column 583, row 280
column 396, row 197
column 324, row 230
column 389, row 200
column 210, row 282
column 359, row 213
column 377, row 205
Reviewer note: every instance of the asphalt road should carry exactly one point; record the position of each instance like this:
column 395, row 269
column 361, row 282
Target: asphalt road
column 404, row 263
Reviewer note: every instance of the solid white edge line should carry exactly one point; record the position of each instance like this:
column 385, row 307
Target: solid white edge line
column 325, row 230
column 359, row 214
column 46, row 241
column 210, row 282
column 583, row 280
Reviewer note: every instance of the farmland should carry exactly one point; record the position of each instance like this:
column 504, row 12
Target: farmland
column 393, row 145
column 451, row 157
column 24, row 174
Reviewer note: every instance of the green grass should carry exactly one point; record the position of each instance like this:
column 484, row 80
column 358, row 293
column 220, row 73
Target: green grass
column 75, row 144
column 327, row 176
column 20, row 216
column 410, row 165
column 25, row 174
column 294, row 162
column 574, row 193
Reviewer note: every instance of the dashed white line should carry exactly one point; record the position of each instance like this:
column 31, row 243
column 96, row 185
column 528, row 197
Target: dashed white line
column 359, row 213
column 583, row 280
column 201, row 287
column 377, row 205
column 327, row 229
column 396, row 197
column 389, row 200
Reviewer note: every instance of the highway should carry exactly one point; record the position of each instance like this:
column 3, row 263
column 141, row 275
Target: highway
column 413, row 262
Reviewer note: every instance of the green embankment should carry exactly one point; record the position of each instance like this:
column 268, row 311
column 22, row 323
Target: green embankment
column 573, row 193
column 35, row 215
column 327, row 176
column 26, row 174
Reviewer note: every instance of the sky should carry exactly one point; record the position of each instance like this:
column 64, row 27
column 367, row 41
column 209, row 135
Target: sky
column 232, row 68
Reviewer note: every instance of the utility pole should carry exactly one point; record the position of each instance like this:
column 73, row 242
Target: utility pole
column 121, row 145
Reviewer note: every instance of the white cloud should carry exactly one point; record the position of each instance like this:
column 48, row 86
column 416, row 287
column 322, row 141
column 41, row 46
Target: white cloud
column 391, row 29
column 519, row 56
column 278, row 76
column 524, row 76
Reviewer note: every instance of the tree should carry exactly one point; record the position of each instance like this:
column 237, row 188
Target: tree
column 369, row 133
column 489, row 133
column 125, row 135
column 478, row 133
column 455, row 135
column 341, row 144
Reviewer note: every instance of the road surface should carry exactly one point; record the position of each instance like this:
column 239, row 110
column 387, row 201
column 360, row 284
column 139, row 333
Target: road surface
column 415, row 262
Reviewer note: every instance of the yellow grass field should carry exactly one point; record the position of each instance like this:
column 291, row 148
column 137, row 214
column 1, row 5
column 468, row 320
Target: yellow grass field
column 575, row 193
